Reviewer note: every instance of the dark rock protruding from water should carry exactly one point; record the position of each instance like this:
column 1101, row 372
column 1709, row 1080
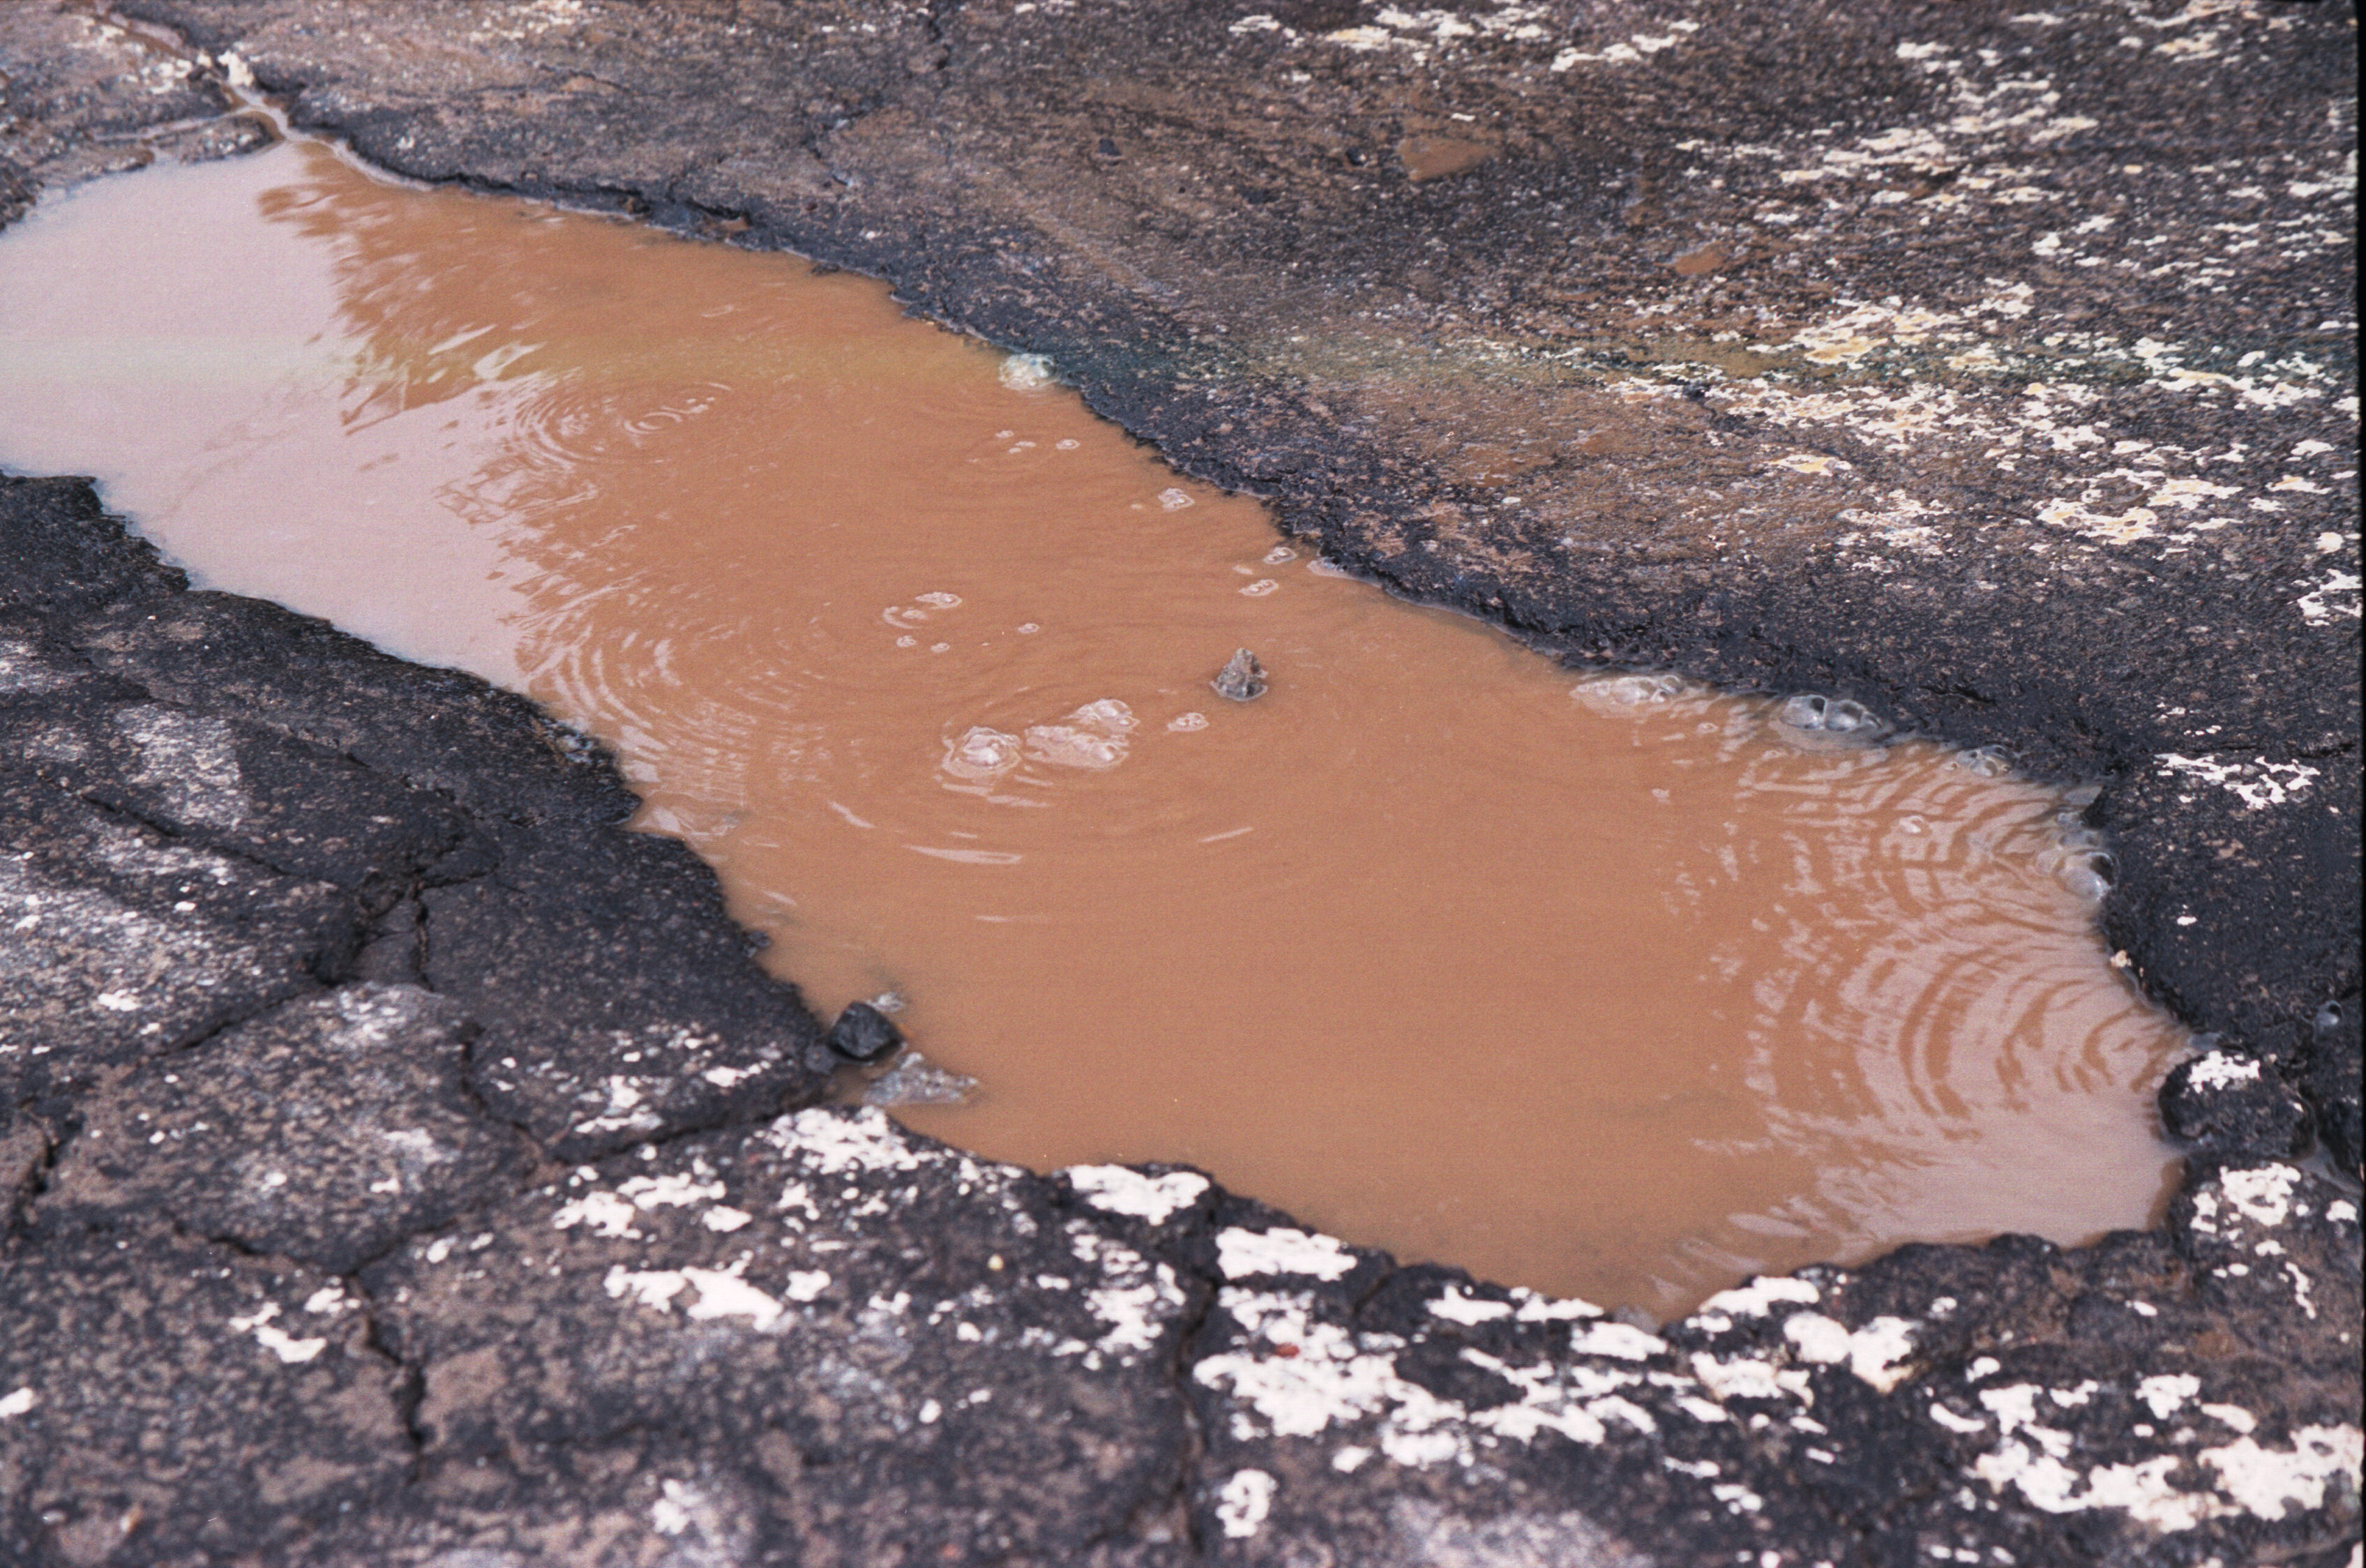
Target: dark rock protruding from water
column 1242, row 679
column 863, row 1034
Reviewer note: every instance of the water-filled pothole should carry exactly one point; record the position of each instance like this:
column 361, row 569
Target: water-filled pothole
column 1624, row 990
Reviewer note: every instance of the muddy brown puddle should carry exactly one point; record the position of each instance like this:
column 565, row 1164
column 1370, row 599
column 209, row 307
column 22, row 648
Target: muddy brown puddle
column 1606, row 987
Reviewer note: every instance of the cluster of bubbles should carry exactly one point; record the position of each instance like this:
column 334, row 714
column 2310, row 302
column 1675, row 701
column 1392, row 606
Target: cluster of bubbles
column 2077, row 854
column 981, row 754
column 1025, row 372
column 1619, row 691
column 1094, row 736
column 908, row 619
column 1822, row 721
column 905, row 619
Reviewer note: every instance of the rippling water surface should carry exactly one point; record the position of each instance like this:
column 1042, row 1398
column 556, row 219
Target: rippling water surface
column 1603, row 986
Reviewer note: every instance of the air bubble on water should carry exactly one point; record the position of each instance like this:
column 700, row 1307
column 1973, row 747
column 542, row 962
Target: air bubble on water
column 1913, row 824
column 2077, row 859
column 1067, row 445
column 1984, row 761
column 1109, row 716
column 940, row 647
column 1025, row 373
column 981, row 754
column 1028, row 628
column 1615, row 693
column 1093, row 737
column 1065, row 746
column 1188, row 721
column 1819, row 721
column 1260, row 588
column 1279, row 554
column 1173, row 499
column 1321, row 568
column 907, row 642
column 1845, row 717
column 888, row 1001
column 941, row 600
column 2089, row 876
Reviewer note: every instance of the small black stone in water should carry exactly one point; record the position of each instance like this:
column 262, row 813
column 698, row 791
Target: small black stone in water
column 1242, row 678
column 862, row 1034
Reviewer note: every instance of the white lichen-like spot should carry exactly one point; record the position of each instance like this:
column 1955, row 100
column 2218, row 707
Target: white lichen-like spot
column 2256, row 783
column 2314, row 605
column 836, row 1142
column 1241, row 1253
column 1878, row 1352
column 1115, row 1189
column 673, row 1192
column 2167, row 1392
column 1954, row 1423
column 2219, row 1069
column 1534, row 1308
column 1755, row 1298
column 1296, row 1376
column 1457, row 1306
column 2252, row 1479
column 15, row 1405
column 605, row 1212
column 2265, row 1482
column 1242, row 1504
column 289, row 1348
column 623, row 1111
column 1818, row 1339
column 1875, row 1353
column 1748, row 1377
column 2261, row 1194
column 716, row 1292
column 1621, row 1341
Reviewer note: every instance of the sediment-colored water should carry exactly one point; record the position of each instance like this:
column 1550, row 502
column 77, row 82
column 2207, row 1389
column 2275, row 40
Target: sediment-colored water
column 1605, row 986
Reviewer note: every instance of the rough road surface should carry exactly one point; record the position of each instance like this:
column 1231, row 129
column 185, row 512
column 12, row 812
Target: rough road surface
column 403, row 1164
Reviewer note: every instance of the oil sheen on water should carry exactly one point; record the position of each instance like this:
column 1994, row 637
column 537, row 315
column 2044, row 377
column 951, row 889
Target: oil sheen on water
column 1616, row 990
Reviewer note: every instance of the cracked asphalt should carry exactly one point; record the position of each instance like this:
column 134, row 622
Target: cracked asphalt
column 405, row 1164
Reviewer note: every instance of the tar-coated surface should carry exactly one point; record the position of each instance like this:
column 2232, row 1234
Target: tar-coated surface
column 597, row 1301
